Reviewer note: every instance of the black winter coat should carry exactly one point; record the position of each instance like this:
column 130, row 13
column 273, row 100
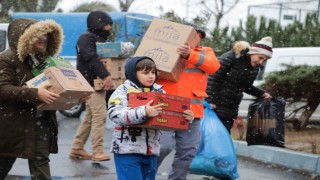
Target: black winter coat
column 88, row 62
column 225, row 87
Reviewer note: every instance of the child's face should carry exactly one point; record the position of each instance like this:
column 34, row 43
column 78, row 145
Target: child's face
column 146, row 78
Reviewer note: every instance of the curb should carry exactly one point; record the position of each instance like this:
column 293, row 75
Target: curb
column 275, row 155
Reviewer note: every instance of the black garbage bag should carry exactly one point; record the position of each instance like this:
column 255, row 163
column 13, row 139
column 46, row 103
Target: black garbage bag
column 266, row 122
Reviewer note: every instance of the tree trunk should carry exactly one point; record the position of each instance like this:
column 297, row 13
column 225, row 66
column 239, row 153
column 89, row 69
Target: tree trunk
column 306, row 114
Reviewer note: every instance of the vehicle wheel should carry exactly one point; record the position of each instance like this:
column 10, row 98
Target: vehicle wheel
column 75, row 111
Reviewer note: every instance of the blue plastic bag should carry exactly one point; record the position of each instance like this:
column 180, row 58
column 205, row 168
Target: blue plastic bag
column 216, row 154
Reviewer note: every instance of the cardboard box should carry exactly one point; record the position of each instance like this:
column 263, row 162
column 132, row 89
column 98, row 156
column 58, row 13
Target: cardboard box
column 115, row 49
column 161, row 42
column 115, row 66
column 98, row 83
column 169, row 102
column 51, row 62
column 167, row 120
column 39, row 81
column 117, row 82
column 68, row 83
column 171, row 117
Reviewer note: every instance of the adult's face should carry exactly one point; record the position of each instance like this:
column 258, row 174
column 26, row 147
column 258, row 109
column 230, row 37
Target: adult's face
column 41, row 44
column 258, row 59
column 107, row 27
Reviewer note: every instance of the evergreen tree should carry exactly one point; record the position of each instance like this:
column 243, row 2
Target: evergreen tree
column 297, row 83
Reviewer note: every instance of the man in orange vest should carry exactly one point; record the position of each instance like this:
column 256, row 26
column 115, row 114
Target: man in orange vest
column 192, row 83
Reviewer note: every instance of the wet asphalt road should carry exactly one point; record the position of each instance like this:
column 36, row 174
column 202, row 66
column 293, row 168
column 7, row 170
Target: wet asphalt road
column 62, row 167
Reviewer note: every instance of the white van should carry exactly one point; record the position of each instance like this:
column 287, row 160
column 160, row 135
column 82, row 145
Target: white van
column 3, row 36
column 293, row 56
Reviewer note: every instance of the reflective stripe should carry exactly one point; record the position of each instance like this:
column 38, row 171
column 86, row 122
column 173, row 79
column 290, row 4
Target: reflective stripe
column 201, row 59
column 196, row 101
column 191, row 70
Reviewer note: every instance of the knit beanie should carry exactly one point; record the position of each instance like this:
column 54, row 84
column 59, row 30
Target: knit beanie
column 264, row 46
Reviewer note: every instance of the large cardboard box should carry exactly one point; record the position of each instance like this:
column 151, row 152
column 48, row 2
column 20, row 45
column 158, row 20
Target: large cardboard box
column 39, row 81
column 68, row 83
column 171, row 117
column 51, row 62
column 161, row 42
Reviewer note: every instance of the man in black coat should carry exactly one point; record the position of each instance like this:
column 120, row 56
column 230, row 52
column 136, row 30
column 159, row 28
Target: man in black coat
column 239, row 68
column 99, row 24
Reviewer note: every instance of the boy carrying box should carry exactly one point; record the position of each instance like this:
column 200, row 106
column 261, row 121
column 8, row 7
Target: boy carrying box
column 136, row 149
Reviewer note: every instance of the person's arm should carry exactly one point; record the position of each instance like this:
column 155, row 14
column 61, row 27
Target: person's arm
column 215, row 80
column 254, row 91
column 207, row 61
column 259, row 93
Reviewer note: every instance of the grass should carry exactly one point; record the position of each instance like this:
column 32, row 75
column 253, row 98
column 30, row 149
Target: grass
column 307, row 140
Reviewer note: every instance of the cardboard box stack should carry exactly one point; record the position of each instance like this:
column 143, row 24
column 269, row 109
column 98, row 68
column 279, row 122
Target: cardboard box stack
column 115, row 67
column 114, row 58
column 68, row 83
column 161, row 42
column 173, row 107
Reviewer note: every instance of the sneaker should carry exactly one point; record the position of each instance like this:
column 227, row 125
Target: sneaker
column 101, row 156
column 80, row 154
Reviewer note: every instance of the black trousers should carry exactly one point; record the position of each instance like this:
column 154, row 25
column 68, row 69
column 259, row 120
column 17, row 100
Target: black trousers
column 39, row 165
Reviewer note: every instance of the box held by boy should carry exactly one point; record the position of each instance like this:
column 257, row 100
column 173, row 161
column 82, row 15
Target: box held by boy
column 171, row 117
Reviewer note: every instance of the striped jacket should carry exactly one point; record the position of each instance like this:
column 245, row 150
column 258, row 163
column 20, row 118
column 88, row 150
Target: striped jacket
column 193, row 80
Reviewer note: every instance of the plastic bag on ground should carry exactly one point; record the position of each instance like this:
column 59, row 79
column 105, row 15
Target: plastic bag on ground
column 266, row 122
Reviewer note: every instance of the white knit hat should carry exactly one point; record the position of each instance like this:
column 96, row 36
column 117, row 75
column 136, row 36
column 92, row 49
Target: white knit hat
column 264, row 46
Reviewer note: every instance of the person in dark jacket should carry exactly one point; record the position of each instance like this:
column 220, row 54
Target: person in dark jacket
column 99, row 23
column 239, row 68
column 26, row 132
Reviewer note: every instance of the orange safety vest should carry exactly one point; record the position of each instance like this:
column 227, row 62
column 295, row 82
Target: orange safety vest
column 193, row 80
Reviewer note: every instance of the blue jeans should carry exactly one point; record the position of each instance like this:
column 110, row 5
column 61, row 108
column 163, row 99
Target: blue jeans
column 135, row 166
column 186, row 143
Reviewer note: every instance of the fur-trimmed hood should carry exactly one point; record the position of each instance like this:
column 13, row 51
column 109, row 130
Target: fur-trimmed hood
column 239, row 47
column 24, row 32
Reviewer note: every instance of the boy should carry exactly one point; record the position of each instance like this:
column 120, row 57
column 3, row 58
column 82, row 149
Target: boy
column 136, row 149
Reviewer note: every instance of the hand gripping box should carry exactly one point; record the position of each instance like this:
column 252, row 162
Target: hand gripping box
column 173, row 107
column 160, row 43
column 68, row 83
